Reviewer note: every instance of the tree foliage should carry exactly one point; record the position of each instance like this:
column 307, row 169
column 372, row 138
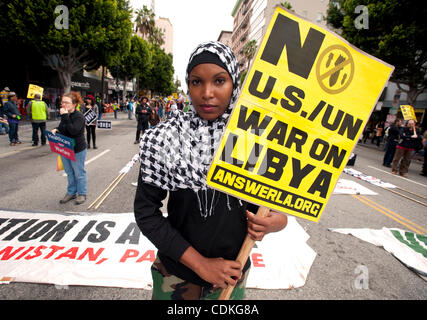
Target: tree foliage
column 249, row 50
column 396, row 34
column 159, row 77
column 98, row 31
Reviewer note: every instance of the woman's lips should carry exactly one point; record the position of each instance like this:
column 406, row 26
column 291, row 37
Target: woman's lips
column 207, row 107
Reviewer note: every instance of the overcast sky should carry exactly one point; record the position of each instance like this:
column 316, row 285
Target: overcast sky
column 193, row 21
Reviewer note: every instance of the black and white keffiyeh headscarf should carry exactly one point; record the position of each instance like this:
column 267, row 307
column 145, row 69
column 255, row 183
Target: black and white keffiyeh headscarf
column 177, row 153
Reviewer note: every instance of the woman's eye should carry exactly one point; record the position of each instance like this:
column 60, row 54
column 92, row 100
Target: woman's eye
column 195, row 82
column 220, row 80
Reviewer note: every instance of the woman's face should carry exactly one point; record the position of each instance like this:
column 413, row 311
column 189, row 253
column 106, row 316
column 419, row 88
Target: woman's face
column 210, row 88
column 67, row 103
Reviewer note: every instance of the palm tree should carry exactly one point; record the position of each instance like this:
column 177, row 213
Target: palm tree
column 145, row 22
column 249, row 51
column 156, row 37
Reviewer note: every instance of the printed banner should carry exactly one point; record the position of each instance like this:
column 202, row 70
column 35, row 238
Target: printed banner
column 370, row 179
column 61, row 145
column 304, row 104
column 33, row 89
column 345, row 186
column 408, row 112
column 104, row 124
column 90, row 116
column 409, row 247
column 110, row 250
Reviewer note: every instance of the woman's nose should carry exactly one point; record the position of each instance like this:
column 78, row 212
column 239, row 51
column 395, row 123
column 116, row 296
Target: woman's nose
column 207, row 91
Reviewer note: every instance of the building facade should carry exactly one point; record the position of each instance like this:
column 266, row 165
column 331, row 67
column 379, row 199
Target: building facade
column 225, row 38
column 166, row 27
column 251, row 19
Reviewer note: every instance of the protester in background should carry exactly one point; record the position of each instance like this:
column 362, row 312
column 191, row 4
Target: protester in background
column 200, row 238
column 154, row 118
column 424, row 142
column 72, row 125
column 393, row 135
column 160, row 109
column 367, row 132
column 101, row 108
column 38, row 112
column 3, row 120
column 115, row 109
column 409, row 139
column 58, row 105
column 168, row 109
column 379, row 132
column 13, row 117
column 91, row 127
column 130, row 109
column 142, row 114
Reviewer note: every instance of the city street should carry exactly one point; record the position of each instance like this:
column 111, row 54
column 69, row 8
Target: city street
column 30, row 182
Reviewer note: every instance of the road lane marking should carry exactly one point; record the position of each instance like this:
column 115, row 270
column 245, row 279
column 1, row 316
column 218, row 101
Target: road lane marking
column 96, row 157
column 398, row 176
column 376, row 207
column 92, row 159
column 395, row 214
column 16, row 151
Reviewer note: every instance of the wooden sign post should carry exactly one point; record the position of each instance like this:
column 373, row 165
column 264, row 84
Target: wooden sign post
column 244, row 252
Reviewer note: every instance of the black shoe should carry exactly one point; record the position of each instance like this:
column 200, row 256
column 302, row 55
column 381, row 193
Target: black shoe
column 34, row 145
column 95, row 147
column 88, row 146
column 423, row 174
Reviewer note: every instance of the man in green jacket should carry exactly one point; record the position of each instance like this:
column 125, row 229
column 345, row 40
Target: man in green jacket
column 38, row 113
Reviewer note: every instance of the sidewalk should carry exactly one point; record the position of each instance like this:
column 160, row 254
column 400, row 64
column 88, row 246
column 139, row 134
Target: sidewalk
column 25, row 133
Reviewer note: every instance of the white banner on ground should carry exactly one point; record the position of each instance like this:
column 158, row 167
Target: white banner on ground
column 130, row 164
column 372, row 180
column 109, row 250
column 345, row 186
column 410, row 248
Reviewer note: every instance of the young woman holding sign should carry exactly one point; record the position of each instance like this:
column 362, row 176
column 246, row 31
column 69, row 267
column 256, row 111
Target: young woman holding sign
column 199, row 240
column 72, row 125
column 91, row 127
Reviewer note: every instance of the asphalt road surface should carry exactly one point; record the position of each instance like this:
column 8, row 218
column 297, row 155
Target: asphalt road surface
column 29, row 182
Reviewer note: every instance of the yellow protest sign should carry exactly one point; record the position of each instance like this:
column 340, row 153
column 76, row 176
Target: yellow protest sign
column 408, row 112
column 175, row 95
column 303, row 106
column 33, row 89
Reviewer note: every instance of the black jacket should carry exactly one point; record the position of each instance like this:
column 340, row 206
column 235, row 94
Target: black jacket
column 141, row 116
column 406, row 138
column 219, row 235
column 72, row 125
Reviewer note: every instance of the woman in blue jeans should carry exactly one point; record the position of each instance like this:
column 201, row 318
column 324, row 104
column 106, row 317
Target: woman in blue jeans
column 72, row 125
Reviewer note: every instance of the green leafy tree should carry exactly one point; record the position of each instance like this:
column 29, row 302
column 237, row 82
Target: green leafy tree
column 159, row 78
column 86, row 34
column 394, row 31
column 134, row 63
